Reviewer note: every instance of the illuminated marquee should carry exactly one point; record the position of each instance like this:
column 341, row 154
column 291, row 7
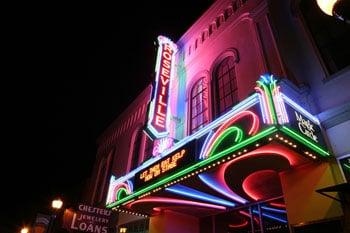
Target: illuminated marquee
column 267, row 117
column 158, row 113
column 166, row 166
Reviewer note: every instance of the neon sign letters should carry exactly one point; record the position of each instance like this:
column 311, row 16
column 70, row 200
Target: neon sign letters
column 167, row 165
column 159, row 115
column 305, row 126
column 162, row 167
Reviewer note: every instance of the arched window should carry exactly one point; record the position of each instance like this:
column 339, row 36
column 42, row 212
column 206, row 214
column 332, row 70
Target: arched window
column 225, row 85
column 199, row 105
column 212, row 28
column 100, row 181
column 228, row 12
column 235, row 5
column 105, row 171
column 205, row 35
column 330, row 36
column 219, row 20
column 135, row 146
column 148, row 148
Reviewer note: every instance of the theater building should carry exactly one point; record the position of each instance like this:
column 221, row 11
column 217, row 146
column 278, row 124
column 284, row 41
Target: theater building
column 243, row 129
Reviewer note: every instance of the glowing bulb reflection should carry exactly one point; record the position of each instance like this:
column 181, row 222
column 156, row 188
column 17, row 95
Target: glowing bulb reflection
column 326, row 6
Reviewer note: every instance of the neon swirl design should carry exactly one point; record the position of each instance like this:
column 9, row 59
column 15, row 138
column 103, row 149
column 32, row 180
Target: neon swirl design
column 193, row 193
column 228, row 131
column 176, row 201
column 116, row 190
column 220, row 132
column 205, row 144
column 121, row 192
column 276, row 204
column 245, row 223
column 244, row 213
column 216, row 181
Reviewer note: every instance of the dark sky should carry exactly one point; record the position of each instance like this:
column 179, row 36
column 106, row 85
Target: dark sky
column 73, row 69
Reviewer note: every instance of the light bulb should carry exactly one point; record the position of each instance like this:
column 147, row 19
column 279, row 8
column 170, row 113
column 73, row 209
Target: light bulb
column 326, row 6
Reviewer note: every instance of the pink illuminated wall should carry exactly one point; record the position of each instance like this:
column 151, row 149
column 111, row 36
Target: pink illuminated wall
column 244, row 36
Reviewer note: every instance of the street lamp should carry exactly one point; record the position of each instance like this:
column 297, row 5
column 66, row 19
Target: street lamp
column 57, row 204
column 337, row 8
column 25, row 230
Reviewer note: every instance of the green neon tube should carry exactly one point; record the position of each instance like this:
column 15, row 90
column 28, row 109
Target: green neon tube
column 306, row 142
column 270, row 101
column 121, row 191
column 238, row 138
column 347, row 166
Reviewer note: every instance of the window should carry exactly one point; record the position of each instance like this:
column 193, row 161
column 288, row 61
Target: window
column 228, row 12
column 220, row 20
column 235, row 5
column 104, row 173
column 199, row 105
column 148, row 148
column 212, row 28
column 101, row 181
column 330, row 36
column 225, row 85
column 205, row 35
column 135, row 145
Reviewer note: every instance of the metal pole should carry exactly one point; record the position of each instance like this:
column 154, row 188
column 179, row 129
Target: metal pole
column 251, row 219
column 260, row 219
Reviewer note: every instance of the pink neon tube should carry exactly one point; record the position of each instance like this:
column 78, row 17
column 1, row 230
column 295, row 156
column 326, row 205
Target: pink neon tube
column 176, row 201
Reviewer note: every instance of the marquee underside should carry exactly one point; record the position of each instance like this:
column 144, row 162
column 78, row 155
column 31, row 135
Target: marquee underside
column 233, row 184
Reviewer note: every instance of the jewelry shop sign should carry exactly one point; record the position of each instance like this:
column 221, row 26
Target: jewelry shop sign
column 88, row 219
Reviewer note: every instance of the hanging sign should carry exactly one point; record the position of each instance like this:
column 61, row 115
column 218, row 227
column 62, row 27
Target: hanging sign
column 88, row 219
column 159, row 108
column 305, row 126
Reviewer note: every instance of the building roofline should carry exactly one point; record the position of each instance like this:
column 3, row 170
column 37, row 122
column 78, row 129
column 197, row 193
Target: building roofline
column 145, row 93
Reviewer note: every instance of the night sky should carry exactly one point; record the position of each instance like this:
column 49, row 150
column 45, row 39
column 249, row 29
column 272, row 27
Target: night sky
column 73, row 69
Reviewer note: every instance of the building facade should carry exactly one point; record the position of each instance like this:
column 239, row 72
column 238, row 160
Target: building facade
column 247, row 121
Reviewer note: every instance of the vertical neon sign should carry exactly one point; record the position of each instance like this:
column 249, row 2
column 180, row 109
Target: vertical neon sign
column 158, row 122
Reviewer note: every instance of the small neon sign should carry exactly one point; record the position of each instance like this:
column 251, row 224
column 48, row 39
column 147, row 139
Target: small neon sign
column 162, row 144
column 167, row 165
column 162, row 167
column 159, row 114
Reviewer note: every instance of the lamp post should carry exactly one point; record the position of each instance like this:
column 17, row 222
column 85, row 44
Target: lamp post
column 340, row 9
column 56, row 206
